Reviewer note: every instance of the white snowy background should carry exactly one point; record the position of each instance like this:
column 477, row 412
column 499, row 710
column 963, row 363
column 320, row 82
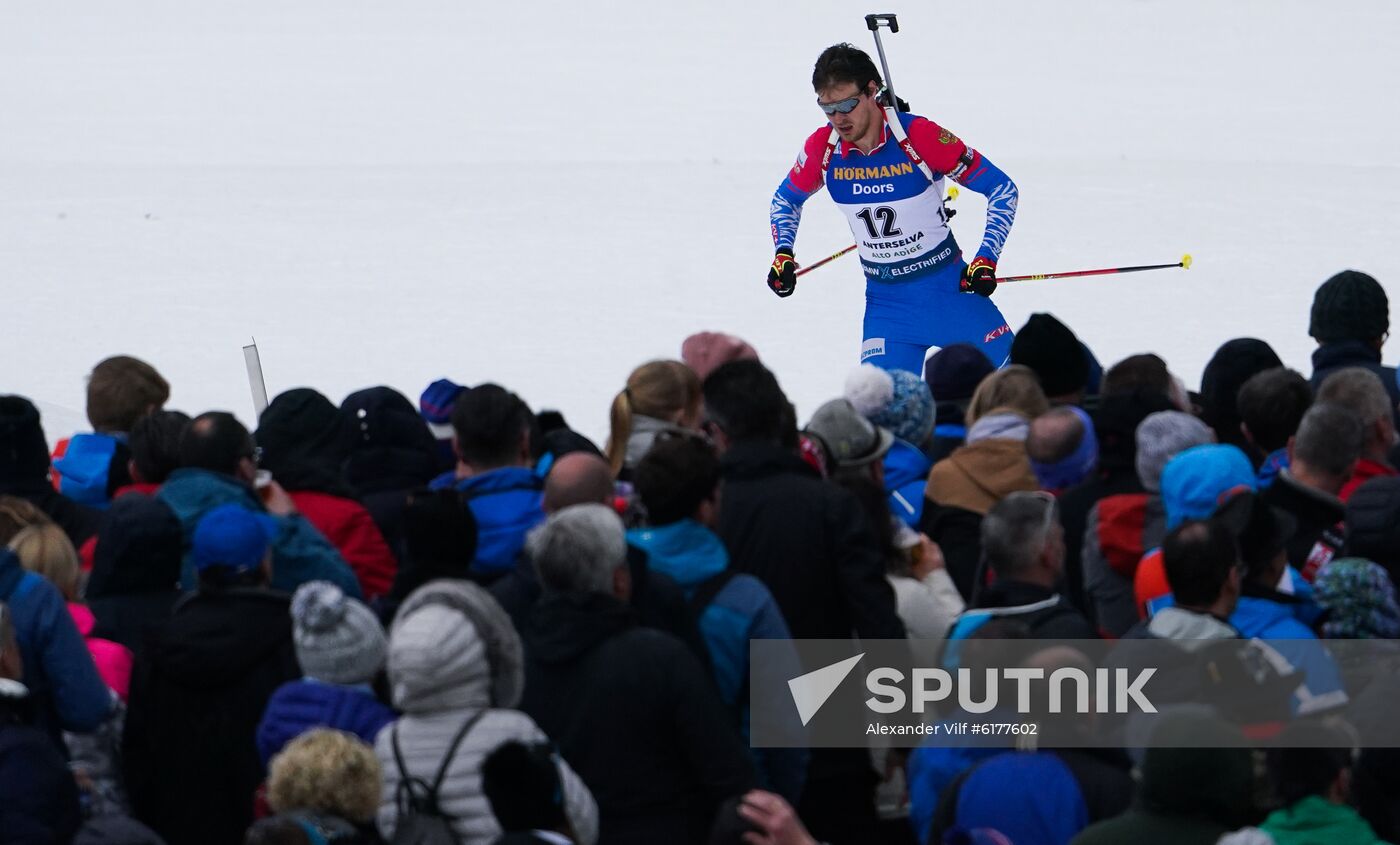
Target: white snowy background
column 548, row 194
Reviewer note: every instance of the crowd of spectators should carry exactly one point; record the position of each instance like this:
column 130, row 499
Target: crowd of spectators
column 464, row 621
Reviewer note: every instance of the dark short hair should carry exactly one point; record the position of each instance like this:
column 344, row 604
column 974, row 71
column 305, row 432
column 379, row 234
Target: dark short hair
column 521, row 782
column 155, row 444
column 1330, row 439
column 1307, row 760
column 744, row 400
column 121, row 390
column 1198, row 556
column 844, row 63
column 489, row 422
column 1137, row 371
column 674, row 477
column 1271, row 403
column 216, row 441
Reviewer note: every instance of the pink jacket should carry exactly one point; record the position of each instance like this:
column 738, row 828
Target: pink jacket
column 113, row 659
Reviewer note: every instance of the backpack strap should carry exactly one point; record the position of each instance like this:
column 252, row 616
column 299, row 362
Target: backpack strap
column 452, row 750
column 706, row 591
column 406, row 799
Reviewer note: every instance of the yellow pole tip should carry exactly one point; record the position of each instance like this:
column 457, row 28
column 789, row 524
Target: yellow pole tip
column 1186, row 262
column 952, row 194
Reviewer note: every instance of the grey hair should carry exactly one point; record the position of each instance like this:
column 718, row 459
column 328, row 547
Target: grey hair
column 1360, row 391
column 1012, row 538
column 578, row 549
column 1330, row 438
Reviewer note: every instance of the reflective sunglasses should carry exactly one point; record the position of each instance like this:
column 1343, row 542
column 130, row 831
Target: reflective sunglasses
column 845, row 106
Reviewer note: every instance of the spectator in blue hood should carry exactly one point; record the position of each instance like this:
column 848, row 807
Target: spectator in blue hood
column 91, row 467
column 1350, row 320
column 218, row 467
column 900, row 402
column 491, row 429
column 678, row 482
column 1271, row 405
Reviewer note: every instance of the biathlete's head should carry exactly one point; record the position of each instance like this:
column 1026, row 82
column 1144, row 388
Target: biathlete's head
column 847, row 83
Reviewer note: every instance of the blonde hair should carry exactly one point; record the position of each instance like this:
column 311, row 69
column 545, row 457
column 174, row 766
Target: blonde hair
column 326, row 771
column 666, row 390
column 1013, row 389
column 44, row 549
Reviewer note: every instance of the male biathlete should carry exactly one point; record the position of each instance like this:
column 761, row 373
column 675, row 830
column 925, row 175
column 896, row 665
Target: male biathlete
column 885, row 169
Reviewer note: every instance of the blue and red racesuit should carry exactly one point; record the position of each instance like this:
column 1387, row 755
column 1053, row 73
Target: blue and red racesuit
column 893, row 199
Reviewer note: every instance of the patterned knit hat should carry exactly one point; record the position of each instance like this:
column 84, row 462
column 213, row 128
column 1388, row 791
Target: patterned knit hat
column 894, row 399
column 1359, row 600
column 338, row 639
column 436, row 402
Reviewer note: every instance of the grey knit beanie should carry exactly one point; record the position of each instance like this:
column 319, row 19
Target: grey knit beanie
column 338, row 639
column 1160, row 437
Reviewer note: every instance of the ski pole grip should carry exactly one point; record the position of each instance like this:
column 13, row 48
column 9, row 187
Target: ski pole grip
column 874, row 22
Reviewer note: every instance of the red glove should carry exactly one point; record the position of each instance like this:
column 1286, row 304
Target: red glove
column 980, row 277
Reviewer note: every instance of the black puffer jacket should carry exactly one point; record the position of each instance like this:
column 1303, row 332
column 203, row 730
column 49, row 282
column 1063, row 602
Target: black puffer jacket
column 809, row 542
column 636, row 716
column 135, row 578
column 197, row 694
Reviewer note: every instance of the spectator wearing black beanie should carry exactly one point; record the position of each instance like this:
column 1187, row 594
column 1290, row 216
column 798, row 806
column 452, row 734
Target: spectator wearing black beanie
column 1226, row 372
column 1350, row 321
column 1047, row 346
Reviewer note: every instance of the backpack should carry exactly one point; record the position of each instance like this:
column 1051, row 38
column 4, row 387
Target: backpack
column 421, row 821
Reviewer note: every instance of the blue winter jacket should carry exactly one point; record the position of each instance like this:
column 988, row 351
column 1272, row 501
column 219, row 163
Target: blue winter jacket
column 299, row 706
column 300, row 553
column 1276, row 622
column 906, row 473
column 1033, row 798
column 934, row 766
column 507, row 504
column 742, row 610
column 58, row 669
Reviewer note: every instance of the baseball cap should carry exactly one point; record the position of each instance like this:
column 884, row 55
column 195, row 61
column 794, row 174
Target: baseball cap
column 233, row 537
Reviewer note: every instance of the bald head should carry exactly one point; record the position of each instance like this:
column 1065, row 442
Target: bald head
column 575, row 479
column 1054, row 436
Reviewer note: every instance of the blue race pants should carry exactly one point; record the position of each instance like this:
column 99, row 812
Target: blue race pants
column 903, row 320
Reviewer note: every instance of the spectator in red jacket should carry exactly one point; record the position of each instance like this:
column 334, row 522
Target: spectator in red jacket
column 305, row 443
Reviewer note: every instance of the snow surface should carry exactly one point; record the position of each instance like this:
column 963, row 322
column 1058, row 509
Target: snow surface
column 548, row 194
